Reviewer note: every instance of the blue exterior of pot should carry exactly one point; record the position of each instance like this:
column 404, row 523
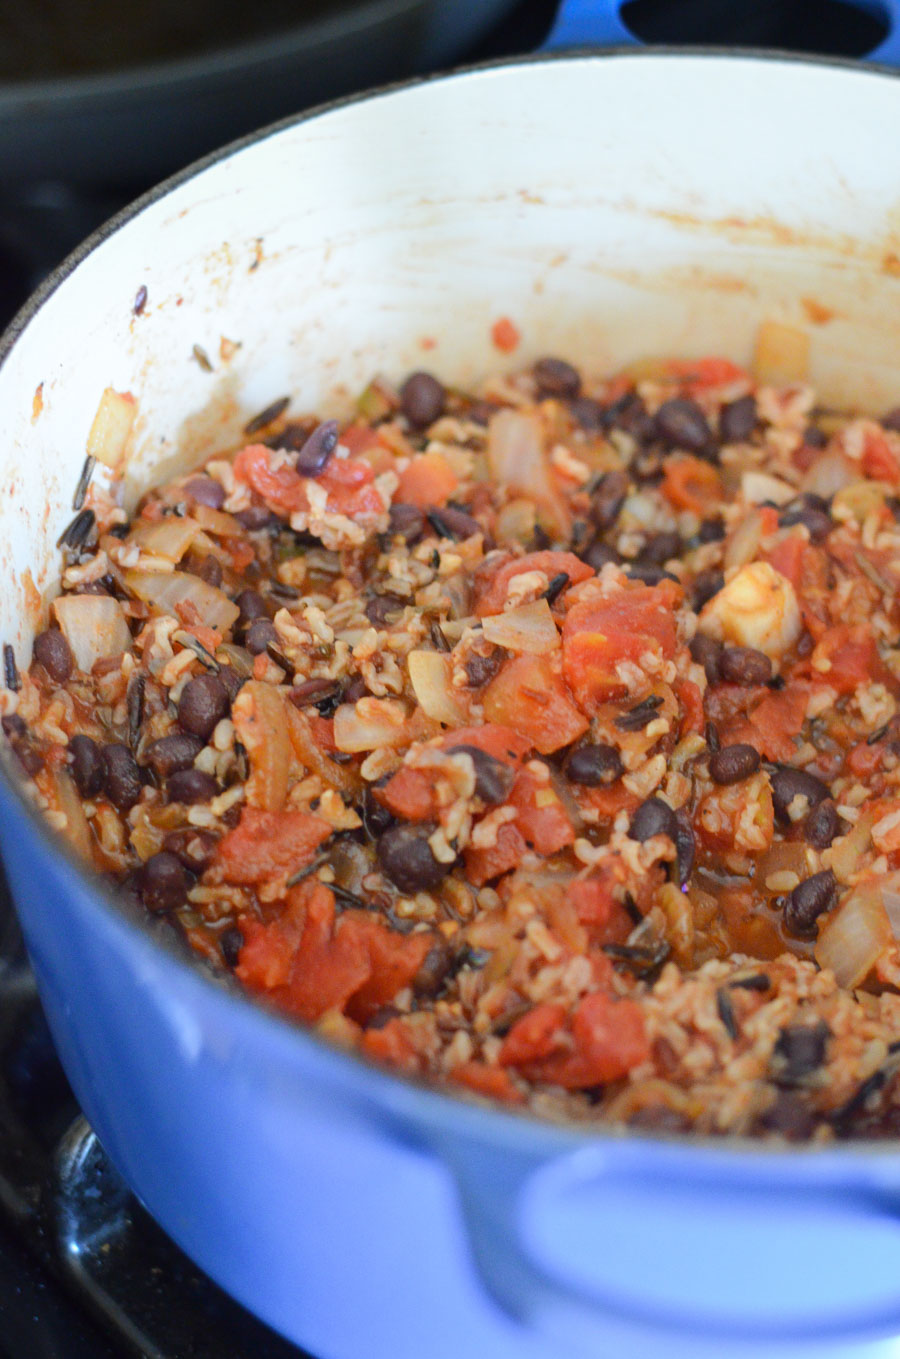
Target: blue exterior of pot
column 363, row 1215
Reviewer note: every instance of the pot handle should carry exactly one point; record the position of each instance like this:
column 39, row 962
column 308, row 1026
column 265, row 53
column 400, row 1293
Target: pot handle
column 598, row 23
column 676, row 1252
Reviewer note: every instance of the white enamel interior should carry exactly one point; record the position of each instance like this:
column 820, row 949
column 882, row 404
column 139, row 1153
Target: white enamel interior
column 611, row 206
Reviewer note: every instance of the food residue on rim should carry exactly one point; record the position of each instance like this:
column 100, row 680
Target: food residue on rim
column 817, row 313
column 37, row 402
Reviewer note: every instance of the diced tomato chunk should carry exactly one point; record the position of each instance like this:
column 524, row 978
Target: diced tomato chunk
column 541, row 817
column 529, row 695
column 787, row 557
column 695, row 374
column 265, row 845
column 281, row 488
column 392, row 1044
column 879, row 461
column 491, row 1081
column 599, row 634
column 690, row 483
column 428, row 479
column 607, row 1040
column 484, row 865
column 505, row 335
column 493, row 596
column 408, row 794
column 851, row 655
column 394, row 960
column 493, row 738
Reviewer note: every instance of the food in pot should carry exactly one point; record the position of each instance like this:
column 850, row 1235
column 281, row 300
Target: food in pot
column 542, row 742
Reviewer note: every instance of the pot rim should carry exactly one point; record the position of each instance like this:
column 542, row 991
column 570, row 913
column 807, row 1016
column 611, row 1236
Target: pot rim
column 408, row 1096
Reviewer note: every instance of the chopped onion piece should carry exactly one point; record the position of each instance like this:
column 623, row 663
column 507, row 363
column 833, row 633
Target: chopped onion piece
column 217, row 523
column 167, row 590
column 529, row 628
column 782, row 353
column 369, row 724
column 758, row 487
column 170, row 537
column 77, row 830
column 854, row 936
column 431, row 676
column 516, row 459
column 112, row 426
column 891, row 899
column 261, row 725
column 829, row 473
column 94, row 626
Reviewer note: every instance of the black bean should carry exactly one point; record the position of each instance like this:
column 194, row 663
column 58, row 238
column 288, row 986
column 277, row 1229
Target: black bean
column 789, row 1116
column 436, row 967
column 599, row 554
column 711, row 531
column 164, row 882
column 190, row 786
column 206, row 491
column 647, row 465
column 203, row 703
column 706, row 584
column 630, row 414
column 256, row 517
column 121, row 776
column 265, row 417
column 452, row 522
column 799, row 1051
column 788, row 783
column 587, row 412
column 405, row 857
column 317, row 452
column 317, row 692
column 817, row 523
column 594, row 766
column 555, row 377
column 170, row 754
column 13, row 725
column 808, row 901
column 52, row 651
column 745, row 665
column 376, row 819
column 355, row 690
column 261, row 634
column 649, row 575
column 231, row 941
column 892, row 419
column 140, row 300
column 706, row 651
column 195, row 848
column 252, row 605
column 232, row 681
column 480, row 670
column 640, row 716
column 480, row 412
column 86, row 765
column 493, row 778
column 653, row 817
column 733, row 764
column 680, row 423
column 608, row 497
column 382, row 610
column 555, row 588
column 737, row 420
column 821, row 825
column 406, row 520
column 685, row 850
column 422, row 399
column 660, row 548
column 30, row 759
column 208, row 568
column 814, row 437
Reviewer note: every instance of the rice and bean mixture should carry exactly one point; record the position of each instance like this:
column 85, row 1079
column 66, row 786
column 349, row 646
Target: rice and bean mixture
column 542, row 742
